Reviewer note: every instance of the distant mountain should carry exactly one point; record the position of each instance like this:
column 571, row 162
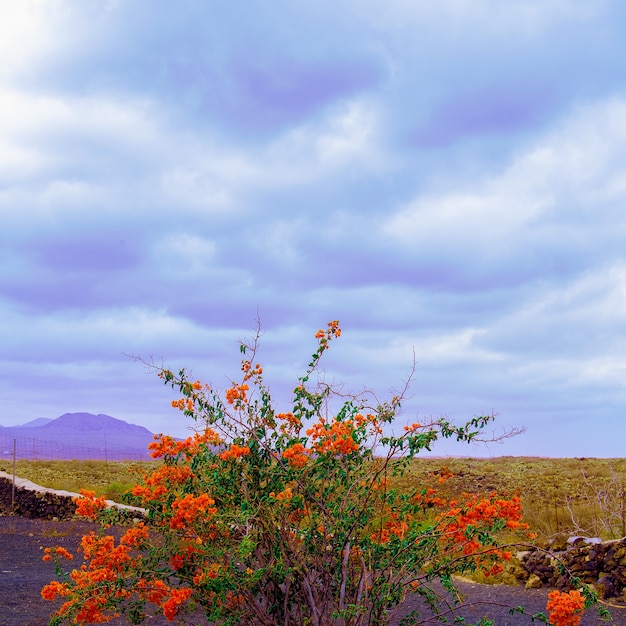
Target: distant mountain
column 40, row 421
column 77, row 436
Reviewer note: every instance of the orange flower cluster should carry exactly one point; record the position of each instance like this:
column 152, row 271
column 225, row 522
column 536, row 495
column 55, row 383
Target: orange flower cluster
column 333, row 330
column 170, row 600
column 413, row 427
column 334, row 438
column 453, row 525
column 372, row 420
column 184, row 404
column 147, row 494
column 296, row 455
column 485, row 511
column 429, row 498
column 284, row 495
column 234, row 452
column 57, row 551
column 237, row 394
column 189, row 508
column 135, row 536
column 324, row 336
column 443, row 474
column 206, row 573
column 380, row 536
column 89, row 506
column 154, row 591
column 178, row 560
column 91, row 610
column 165, row 445
column 54, row 589
column 291, row 422
column 249, row 371
column 233, row 600
column 172, row 605
column 161, row 481
column 104, row 564
column 566, row 608
column 395, row 524
column 170, row 474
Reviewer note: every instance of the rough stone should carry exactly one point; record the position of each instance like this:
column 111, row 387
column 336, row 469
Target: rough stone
column 534, row 582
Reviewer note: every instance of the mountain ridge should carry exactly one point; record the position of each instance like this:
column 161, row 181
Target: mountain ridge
column 77, row 435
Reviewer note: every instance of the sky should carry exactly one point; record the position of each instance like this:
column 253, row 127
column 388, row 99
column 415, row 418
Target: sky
column 447, row 179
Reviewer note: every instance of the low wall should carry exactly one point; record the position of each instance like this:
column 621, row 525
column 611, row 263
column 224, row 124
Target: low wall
column 43, row 504
column 601, row 564
column 35, row 501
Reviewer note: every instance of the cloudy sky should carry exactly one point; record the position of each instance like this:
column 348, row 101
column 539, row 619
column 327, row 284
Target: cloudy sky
column 448, row 179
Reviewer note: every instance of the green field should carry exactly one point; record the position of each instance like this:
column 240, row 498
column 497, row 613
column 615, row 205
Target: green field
column 560, row 496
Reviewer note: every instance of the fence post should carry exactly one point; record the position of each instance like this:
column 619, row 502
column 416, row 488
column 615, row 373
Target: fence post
column 13, row 485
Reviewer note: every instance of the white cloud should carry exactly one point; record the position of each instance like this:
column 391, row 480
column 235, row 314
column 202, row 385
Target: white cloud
column 186, row 254
column 572, row 176
column 488, row 16
column 26, row 34
column 55, row 132
column 345, row 137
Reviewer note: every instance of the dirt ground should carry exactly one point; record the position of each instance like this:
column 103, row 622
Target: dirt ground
column 23, row 574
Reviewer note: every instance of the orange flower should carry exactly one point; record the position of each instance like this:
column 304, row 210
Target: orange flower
column 173, row 604
column 333, row 327
column 177, row 561
column 89, row 506
column 412, row 427
column 54, row 589
column 134, row 537
column 296, row 455
column 184, row 404
column 189, row 508
column 566, row 608
column 334, row 438
column 154, row 591
column 237, row 394
column 380, row 536
column 148, row 494
column 234, row 452
column 209, row 572
column 58, row 551
column 292, row 422
column 284, row 495
column 164, row 445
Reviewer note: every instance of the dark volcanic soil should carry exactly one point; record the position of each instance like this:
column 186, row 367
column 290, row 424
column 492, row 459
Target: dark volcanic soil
column 23, row 574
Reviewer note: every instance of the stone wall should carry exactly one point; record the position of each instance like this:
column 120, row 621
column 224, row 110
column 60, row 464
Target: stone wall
column 34, row 501
column 601, row 564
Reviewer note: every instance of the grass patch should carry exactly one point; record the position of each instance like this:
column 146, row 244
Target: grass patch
column 110, row 479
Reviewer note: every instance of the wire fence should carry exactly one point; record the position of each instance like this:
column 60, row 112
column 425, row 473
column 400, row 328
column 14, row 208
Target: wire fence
column 30, row 448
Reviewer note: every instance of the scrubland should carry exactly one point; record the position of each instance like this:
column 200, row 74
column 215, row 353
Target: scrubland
column 560, row 496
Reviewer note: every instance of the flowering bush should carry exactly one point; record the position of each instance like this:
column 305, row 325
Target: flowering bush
column 268, row 517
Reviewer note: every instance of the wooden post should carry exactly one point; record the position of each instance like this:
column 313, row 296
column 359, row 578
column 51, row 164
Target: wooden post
column 13, row 486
